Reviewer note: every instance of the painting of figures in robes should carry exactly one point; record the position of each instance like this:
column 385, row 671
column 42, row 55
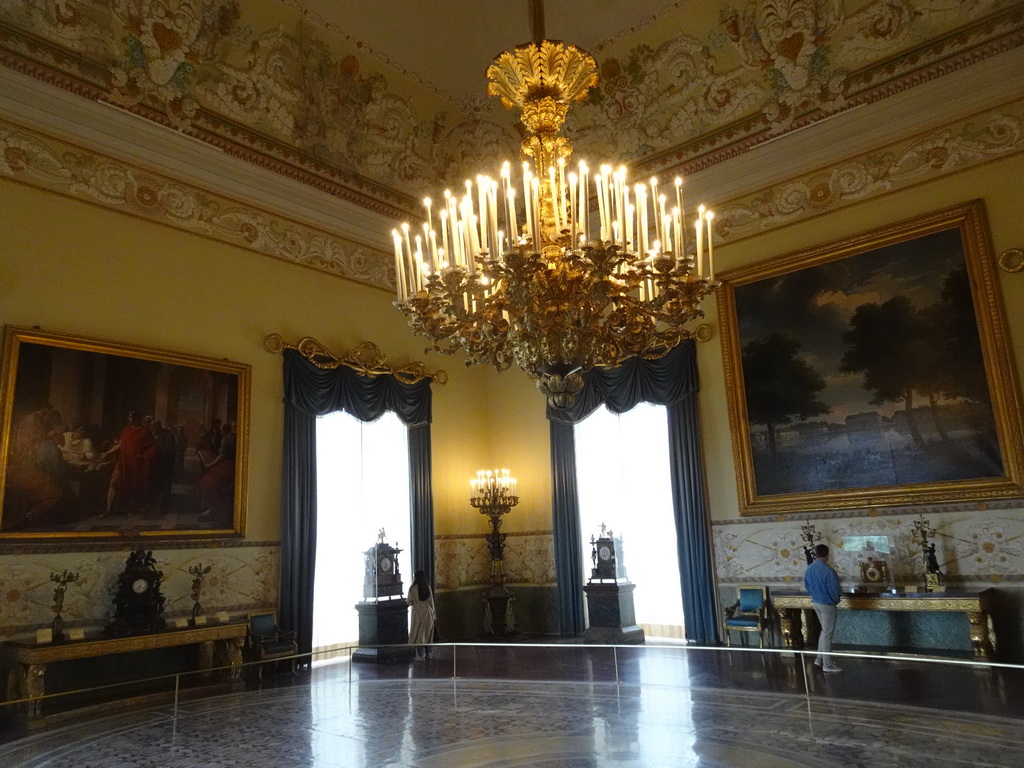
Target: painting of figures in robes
column 105, row 440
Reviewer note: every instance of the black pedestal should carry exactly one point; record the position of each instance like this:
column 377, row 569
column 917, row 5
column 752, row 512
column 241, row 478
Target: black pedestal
column 383, row 631
column 497, row 599
column 612, row 620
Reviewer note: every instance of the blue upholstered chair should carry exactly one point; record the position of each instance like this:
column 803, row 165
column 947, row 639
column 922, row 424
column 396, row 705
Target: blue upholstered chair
column 267, row 642
column 750, row 613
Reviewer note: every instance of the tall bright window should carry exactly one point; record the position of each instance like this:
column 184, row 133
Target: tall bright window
column 362, row 487
column 622, row 471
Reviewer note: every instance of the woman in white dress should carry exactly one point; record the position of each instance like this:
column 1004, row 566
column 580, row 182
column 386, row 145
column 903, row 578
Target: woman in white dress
column 421, row 598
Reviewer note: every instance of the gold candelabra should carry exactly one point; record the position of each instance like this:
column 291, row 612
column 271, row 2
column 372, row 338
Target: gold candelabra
column 494, row 493
column 537, row 280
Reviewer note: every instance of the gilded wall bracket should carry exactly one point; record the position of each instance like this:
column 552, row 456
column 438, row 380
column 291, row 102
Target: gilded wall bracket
column 1012, row 260
column 365, row 358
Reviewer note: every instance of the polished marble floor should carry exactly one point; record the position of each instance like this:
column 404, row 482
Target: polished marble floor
column 572, row 706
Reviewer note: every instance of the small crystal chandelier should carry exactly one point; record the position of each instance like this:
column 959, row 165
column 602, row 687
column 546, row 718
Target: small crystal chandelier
column 521, row 271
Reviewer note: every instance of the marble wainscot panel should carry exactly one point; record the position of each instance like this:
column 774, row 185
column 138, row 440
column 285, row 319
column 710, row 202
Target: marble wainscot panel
column 242, row 578
column 978, row 546
column 463, row 561
column 464, row 572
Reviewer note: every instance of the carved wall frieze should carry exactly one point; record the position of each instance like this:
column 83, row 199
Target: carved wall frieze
column 57, row 166
column 961, row 145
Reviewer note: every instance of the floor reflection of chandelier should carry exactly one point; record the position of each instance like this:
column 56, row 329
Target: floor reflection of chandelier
column 567, row 290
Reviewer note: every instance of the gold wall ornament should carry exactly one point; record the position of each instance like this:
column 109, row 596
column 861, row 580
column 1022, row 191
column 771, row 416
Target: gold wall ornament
column 365, row 358
column 1012, row 260
column 528, row 275
column 703, row 332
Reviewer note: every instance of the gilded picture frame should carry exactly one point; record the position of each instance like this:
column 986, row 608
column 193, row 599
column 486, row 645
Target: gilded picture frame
column 873, row 371
column 108, row 440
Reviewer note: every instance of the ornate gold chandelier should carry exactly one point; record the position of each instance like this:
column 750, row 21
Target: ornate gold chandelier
column 537, row 280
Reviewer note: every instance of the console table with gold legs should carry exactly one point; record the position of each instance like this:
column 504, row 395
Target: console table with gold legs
column 28, row 662
column 799, row 630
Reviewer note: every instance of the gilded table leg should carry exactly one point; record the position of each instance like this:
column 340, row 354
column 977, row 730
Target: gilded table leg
column 234, row 651
column 810, row 628
column 790, row 625
column 15, row 678
column 206, row 658
column 980, row 624
column 34, row 686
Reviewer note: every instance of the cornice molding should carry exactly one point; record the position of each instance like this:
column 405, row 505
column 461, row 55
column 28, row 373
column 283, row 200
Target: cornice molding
column 844, row 135
column 163, row 172
column 48, row 163
column 147, row 145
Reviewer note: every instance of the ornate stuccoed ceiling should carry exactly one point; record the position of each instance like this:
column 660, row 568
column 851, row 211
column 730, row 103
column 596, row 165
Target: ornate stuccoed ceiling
column 449, row 45
column 372, row 105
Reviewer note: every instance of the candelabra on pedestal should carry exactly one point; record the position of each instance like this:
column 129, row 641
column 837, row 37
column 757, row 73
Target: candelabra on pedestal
column 494, row 494
column 62, row 580
column 197, row 589
column 932, row 573
column 809, row 535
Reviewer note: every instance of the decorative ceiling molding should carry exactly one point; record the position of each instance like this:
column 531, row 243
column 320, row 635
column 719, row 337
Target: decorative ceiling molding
column 47, row 163
column 256, row 82
column 782, row 111
column 964, row 144
column 830, row 143
column 146, row 146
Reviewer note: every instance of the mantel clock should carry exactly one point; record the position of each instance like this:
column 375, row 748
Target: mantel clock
column 382, row 577
column 603, row 555
column 138, row 604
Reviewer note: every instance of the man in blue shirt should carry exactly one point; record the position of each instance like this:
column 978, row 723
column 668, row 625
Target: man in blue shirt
column 822, row 584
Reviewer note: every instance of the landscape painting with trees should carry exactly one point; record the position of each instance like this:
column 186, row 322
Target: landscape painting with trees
column 865, row 370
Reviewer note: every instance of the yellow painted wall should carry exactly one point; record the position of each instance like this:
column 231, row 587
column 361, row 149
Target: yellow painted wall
column 76, row 268
column 72, row 267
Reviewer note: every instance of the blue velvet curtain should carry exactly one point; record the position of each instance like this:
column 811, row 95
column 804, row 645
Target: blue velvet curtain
column 309, row 392
column 566, row 529
column 670, row 381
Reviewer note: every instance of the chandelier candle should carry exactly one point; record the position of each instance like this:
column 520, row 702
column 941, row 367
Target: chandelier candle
column 559, row 294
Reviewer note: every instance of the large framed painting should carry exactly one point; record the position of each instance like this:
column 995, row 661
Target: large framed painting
column 108, row 440
column 873, row 371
